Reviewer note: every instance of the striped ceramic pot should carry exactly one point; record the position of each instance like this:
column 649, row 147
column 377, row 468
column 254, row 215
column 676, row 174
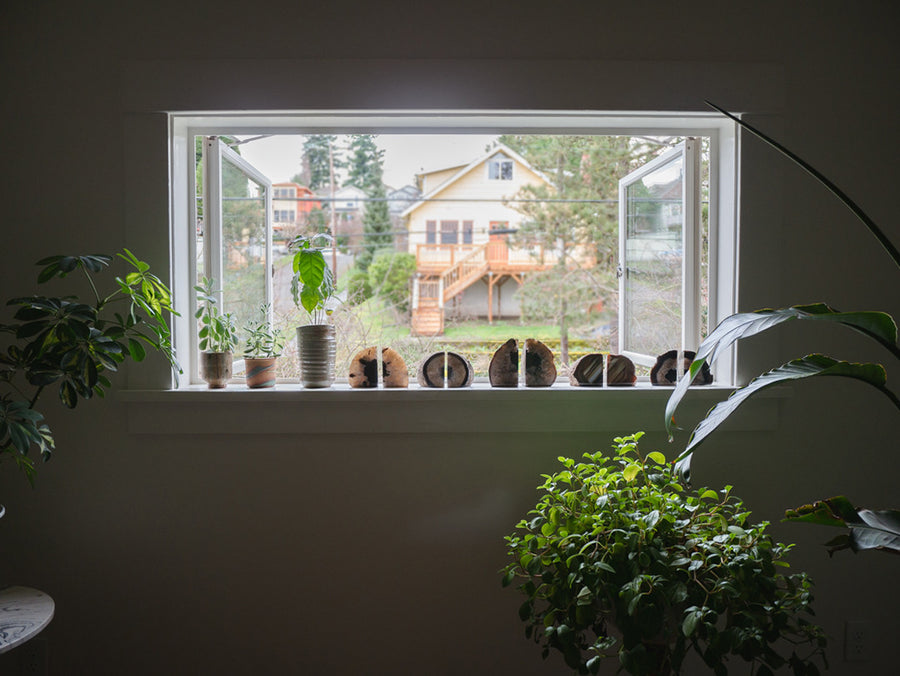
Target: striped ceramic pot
column 317, row 350
column 259, row 372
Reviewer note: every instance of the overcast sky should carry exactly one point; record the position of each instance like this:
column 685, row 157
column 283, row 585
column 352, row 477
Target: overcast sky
column 278, row 157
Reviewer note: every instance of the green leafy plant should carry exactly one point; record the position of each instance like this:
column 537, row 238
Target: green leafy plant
column 72, row 345
column 620, row 558
column 263, row 340
column 312, row 286
column 217, row 329
column 879, row 326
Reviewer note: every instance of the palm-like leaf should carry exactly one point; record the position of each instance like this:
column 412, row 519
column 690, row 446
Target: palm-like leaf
column 805, row 367
column 868, row 529
column 877, row 325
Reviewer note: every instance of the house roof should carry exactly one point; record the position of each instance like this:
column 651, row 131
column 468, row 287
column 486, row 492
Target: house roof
column 478, row 161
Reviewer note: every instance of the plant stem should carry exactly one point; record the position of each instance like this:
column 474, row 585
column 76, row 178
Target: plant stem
column 100, row 303
column 837, row 192
column 35, row 397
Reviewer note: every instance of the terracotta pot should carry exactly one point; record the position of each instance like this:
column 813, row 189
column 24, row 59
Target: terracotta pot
column 259, row 371
column 215, row 369
column 317, row 350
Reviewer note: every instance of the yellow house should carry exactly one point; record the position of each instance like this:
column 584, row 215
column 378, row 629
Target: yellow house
column 459, row 233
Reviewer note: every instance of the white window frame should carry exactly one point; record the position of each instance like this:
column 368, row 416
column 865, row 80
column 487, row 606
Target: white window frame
column 689, row 338
column 499, row 162
column 724, row 162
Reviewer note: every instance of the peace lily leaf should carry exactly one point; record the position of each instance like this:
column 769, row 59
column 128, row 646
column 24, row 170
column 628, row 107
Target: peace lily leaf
column 868, row 529
column 805, row 367
column 877, row 325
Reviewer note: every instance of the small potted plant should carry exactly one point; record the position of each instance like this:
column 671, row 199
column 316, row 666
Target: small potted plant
column 218, row 337
column 619, row 558
column 261, row 352
column 312, row 288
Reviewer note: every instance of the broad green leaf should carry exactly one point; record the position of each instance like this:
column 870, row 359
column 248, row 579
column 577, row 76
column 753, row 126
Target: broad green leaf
column 657, row 457
column 805, row 367
column 868, row 529
column 630, row 472
column 877, row 325
column 311, row 266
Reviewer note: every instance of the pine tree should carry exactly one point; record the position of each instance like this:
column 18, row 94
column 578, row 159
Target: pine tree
column 365, row 163
column 316, row 151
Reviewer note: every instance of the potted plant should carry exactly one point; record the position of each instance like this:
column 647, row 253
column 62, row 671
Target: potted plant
column 312, row 288
column 261, row 352
column 620, row 558
column 218, row 337
column 73, row 345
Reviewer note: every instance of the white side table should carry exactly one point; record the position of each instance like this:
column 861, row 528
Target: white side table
column 24, row 612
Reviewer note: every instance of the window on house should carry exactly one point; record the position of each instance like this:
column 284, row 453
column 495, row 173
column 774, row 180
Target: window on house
column 468, row 232
column 500, row 169
column 449, row 232
column 633, row 258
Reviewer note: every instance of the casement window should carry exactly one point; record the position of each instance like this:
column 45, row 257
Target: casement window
column 676, row 215
column 284, row 216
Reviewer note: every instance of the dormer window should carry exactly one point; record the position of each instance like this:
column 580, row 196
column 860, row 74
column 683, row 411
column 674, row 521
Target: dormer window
column 500, row 168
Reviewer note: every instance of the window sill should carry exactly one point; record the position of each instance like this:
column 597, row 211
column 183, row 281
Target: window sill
column 480, row 409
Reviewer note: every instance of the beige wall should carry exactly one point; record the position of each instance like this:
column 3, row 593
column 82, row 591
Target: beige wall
column 364, row 538
column 473, row 185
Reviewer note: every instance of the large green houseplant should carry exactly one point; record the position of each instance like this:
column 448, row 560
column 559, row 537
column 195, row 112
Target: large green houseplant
column 72, row 345
column 312, row 288
column 867, row 529
column 620, row 559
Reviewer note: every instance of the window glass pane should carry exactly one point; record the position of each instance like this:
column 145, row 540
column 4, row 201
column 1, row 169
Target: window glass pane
column 535, row 256
column 243, row 243
column 653, row 260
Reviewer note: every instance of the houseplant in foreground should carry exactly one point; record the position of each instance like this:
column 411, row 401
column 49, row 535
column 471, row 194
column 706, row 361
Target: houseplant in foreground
column 218, row 337
column 619, row 558
column 867, row 529
column 261, row 351
column 312, row 288
column 72, row 345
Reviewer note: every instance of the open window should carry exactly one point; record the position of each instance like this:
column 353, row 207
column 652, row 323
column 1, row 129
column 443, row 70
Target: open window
column 234, row 230
column 660, row 255
column 474, row 246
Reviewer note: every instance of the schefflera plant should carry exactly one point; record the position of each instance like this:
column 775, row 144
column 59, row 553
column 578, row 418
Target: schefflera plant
column 619, row 558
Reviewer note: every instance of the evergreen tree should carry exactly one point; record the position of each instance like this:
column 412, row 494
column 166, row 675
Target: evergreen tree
column 365, row 163
column 377, row 226
column 316, row 151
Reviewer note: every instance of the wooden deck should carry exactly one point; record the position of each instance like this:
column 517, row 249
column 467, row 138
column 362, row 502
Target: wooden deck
column 446, row 270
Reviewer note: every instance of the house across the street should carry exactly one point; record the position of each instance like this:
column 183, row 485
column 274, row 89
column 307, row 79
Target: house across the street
column 459, row 232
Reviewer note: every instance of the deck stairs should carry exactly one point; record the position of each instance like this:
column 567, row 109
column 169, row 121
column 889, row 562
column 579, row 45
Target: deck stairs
column 431, row 293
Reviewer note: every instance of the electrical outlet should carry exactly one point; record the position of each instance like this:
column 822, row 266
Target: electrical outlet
column 856, row 641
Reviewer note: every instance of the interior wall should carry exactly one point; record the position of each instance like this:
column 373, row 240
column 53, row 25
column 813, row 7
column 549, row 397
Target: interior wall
column 352, row 552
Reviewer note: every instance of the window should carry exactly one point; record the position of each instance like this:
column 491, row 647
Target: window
column 672, row 223
column 284, row 216
column 449, row 232
column 500, row 169
column 468, row 230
